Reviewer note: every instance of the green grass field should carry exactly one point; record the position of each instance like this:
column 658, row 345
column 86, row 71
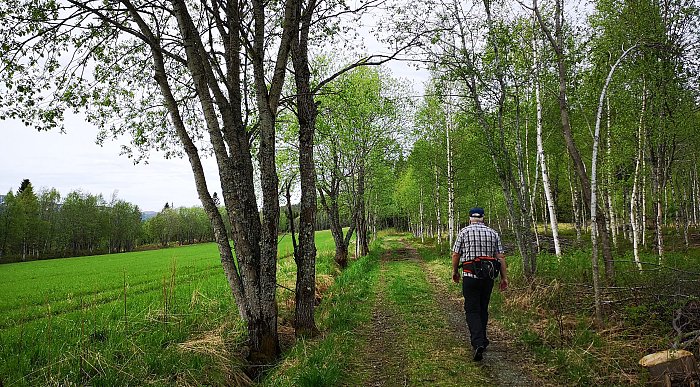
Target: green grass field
column 167, row 317
column 158, row 317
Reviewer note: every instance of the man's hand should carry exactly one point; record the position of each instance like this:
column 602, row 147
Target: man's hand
column 504, row 284
column 455, row 267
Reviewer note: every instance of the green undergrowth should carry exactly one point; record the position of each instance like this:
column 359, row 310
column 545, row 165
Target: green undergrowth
column 346, row 306
column 552, row 317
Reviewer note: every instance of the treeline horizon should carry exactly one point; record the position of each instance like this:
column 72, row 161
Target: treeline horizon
column 46, row 225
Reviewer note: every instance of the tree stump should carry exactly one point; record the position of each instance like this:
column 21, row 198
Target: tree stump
column 671, row 368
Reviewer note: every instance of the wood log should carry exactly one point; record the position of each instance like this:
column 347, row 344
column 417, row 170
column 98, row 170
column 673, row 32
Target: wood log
column 671, row 368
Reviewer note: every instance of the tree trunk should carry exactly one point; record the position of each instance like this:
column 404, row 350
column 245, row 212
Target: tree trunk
column 533, row 194
column 543, row 165
column 254, row 236
column 437, row 207
column 644, row 201
column 657, row 192
column 557, row 43
column 290, row 219
column 500, row 156
column 341, row 241
column 634, row 218
column 533, row 212
column 694, row 192
column 421, row 230
column 305, row 296
column 450, row 176
column 675, row 367
column 575, row 208
column 686, row 217
column 665, row 212
column 522, row 190
column 361, row 219
column 611, row 208
column 596, row 223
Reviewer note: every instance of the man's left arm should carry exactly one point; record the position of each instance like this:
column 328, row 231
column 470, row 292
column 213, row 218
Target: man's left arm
column 455, row 267
column 504, row 271
column 500, row 255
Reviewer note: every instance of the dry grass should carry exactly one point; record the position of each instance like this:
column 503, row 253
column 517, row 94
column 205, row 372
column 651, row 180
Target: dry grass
column 213, row 345
column 323, row 283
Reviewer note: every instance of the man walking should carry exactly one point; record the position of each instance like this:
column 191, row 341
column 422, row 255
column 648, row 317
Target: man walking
column 478, row 250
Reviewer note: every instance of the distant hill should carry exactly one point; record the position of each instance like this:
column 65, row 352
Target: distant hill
column 2, row 199
column 145, row 215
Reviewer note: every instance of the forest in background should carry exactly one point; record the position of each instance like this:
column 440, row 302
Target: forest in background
column 43, row 225
column 40, row 225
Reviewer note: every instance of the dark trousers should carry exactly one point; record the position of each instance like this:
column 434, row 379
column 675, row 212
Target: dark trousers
column 477, row 294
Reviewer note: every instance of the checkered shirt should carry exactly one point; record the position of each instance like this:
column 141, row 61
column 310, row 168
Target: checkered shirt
column 477, row 240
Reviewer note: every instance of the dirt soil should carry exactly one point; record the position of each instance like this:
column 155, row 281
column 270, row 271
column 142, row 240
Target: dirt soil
column 383, row 357
column 503, row 362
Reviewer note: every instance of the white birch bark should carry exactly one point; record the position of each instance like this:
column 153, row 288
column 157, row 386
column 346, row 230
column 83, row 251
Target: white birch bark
column 594, row 188
column 450, row 175
column 437, row 207
column 644, row 202
column 634, row 217
column 666, row 205
column 533, row 197
column 420, row 211
column 543, row 164
column 659, row 210
column 627, row 231
column 696, row 195
column 611, row 208
column 533, row 215
column 686, row 211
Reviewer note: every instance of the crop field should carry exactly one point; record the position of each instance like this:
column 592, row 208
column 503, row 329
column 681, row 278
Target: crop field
column 157, row 317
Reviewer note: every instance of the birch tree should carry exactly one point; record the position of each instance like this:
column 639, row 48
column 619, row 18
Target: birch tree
column 557, row 40
column 541, row 156
column 634, row 207
column 450, row 170
column 594, row 188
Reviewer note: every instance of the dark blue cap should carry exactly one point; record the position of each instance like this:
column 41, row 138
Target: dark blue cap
column 476, row 212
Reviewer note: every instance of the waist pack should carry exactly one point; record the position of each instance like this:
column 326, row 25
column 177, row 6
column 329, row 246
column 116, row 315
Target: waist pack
column 483, row 267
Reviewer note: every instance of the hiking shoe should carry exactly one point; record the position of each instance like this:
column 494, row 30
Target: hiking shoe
column 479, row 353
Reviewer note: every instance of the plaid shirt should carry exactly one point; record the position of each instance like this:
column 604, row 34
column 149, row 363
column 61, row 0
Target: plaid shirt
column 477, row 240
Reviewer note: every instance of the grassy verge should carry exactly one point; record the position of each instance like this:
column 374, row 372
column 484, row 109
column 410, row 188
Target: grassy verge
column 346, row 306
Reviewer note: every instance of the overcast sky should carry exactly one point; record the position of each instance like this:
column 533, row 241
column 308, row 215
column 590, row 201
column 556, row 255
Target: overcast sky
column 73, row 161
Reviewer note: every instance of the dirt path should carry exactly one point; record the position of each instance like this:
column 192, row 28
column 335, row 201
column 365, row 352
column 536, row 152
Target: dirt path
column 383, row 349
column 501, row 360
column 385, row 357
